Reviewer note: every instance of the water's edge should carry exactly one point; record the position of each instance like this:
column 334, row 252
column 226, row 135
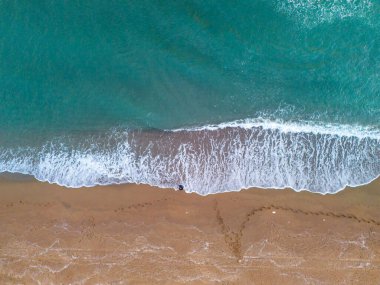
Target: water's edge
column 210, row 159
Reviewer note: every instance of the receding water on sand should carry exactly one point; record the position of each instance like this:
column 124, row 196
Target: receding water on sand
column 207, row 160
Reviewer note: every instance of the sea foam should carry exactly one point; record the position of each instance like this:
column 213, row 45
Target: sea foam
column 210, row 159
column 311, row 13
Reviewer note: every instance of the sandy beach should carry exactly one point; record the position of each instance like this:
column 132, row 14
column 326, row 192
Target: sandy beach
column 134, row 234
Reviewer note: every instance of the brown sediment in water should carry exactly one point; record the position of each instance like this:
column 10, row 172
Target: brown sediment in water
column 136, row 234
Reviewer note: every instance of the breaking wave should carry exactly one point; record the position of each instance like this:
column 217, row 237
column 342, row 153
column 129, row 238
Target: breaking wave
column 209, row 159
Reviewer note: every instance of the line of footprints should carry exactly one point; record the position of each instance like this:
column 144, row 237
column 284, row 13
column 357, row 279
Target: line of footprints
column 139, row 205
column 233, row 239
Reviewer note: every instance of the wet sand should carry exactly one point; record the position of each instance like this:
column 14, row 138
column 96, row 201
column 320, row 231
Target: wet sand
column 131, row 234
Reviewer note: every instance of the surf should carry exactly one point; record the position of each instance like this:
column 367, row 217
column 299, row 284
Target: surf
column 209, row 159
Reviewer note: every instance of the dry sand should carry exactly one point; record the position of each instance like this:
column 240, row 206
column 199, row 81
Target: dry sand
column 130, row 234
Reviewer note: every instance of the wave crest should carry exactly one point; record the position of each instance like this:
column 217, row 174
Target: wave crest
column 210, row 159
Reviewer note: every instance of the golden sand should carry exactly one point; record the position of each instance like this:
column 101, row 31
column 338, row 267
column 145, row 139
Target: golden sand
column 130, row 234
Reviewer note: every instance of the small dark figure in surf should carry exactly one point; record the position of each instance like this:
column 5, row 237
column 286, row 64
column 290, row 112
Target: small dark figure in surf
column 180, row 187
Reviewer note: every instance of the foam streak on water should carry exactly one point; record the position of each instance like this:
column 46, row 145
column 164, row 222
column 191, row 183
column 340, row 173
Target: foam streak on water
column 208, row 160
column 314, row 12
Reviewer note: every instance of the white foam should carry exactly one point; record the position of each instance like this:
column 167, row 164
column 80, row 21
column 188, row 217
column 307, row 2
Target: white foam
column 211, row 159
column 314, row 12
column 341, row 130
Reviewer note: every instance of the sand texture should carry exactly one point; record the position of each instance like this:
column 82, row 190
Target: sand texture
column 130, row 234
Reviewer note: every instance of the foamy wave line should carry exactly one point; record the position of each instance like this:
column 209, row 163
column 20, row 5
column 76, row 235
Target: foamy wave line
column 209, row 159
column 341, row 130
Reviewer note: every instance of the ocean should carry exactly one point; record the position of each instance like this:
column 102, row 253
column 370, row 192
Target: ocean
column 215, row 95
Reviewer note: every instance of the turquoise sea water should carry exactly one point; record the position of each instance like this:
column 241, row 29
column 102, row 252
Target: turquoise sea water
column 215, row 95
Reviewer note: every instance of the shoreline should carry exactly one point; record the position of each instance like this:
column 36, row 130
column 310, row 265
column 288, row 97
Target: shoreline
column 205, row 161
column 21, row 177
column 142, row 234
